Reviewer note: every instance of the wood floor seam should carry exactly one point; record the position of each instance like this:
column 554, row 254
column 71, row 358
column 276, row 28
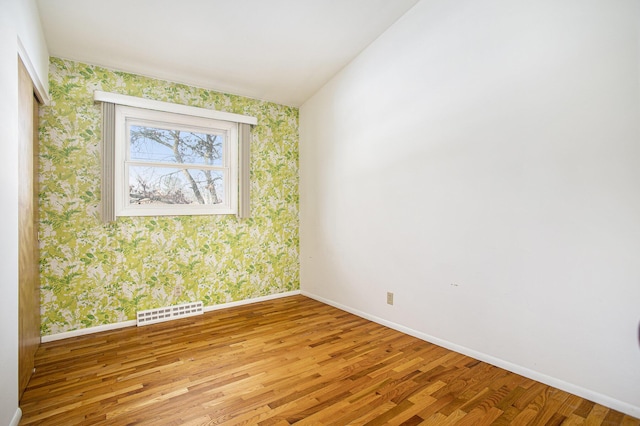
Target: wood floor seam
column 284, row 361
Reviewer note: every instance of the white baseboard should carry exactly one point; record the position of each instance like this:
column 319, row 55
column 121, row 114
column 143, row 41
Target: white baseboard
column 16, row 418
column 250, row 301
column 84, row 331
column 599, row 398
column 132, row 323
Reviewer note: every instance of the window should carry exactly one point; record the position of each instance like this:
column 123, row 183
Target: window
column 169, row 164
column 168, row 159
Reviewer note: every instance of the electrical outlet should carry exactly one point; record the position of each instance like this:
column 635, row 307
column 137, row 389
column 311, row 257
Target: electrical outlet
column 389, row 298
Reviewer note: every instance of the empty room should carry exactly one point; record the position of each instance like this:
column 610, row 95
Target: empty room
column 340, row 212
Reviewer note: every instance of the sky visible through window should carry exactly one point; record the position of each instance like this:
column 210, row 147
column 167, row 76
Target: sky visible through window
column 169, row 166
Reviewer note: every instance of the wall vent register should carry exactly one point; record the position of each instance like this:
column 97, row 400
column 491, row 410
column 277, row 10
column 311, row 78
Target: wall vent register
column 168, row 313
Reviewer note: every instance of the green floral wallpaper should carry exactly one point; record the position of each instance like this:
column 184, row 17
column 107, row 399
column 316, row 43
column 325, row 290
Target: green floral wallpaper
column 94, row 274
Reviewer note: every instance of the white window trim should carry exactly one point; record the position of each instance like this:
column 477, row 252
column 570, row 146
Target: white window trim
column 133, row 101
column 125, row 115
column 113, row 163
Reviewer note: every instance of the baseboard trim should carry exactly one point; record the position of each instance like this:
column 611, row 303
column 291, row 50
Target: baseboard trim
column 132, row 323
column 599, row 398
column 85, row 331
column 16, row 418
column 251, row 301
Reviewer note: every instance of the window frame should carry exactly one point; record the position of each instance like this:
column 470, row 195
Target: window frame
column 109, row 101
column 125, row 116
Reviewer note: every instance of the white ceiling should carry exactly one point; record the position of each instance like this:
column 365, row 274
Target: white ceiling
column 277, row 50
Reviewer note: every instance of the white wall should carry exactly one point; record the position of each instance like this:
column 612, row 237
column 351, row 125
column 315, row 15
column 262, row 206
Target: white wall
column 8, row 216
column 481, row 160
column 16, row 20
column 33, row 46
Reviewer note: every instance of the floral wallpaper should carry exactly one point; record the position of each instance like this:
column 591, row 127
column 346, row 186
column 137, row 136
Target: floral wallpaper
column 94, row 273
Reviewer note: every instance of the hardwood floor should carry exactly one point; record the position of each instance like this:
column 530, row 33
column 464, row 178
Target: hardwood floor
column 290, row 360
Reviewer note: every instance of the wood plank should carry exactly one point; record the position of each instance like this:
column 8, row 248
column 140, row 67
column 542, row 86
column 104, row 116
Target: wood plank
column 280, row 362
column 28, row 255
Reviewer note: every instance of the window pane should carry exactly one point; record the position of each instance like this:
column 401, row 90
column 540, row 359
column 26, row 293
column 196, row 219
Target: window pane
column 160, row 185
column 175, row 146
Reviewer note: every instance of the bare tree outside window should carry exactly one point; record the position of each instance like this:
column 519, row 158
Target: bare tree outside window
column 175, row 166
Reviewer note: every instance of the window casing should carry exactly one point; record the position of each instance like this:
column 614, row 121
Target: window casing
column 233, row 129
column 174, row 164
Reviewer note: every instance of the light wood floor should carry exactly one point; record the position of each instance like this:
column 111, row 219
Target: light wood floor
column 290, row 360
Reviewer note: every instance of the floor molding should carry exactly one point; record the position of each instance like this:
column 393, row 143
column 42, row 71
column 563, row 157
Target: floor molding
column 132, row 323
column 250, row 301
column 16, row 418
column 597, row 397
column 85, row 331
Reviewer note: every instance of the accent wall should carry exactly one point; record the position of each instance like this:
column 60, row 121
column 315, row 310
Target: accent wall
column 95, row 274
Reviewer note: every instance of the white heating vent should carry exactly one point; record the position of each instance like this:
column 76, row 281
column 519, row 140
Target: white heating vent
column 168, row 313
